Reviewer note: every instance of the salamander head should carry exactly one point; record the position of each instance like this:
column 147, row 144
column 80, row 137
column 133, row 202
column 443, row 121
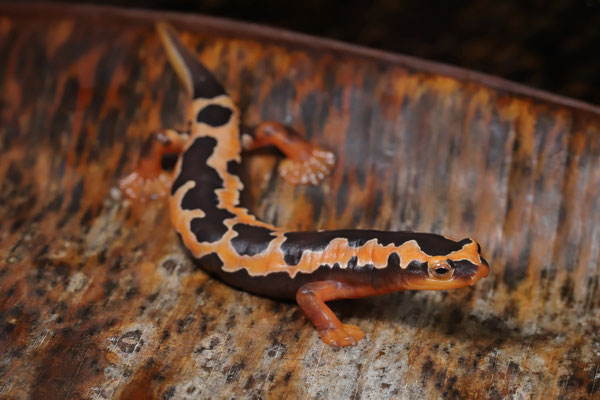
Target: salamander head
column 459, row 268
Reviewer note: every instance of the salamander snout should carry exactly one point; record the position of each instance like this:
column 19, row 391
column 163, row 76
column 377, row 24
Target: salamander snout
column 470, row 265
column 484, row 267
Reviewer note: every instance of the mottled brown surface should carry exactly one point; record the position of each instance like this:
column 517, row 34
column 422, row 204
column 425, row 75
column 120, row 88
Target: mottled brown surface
column 98, row 299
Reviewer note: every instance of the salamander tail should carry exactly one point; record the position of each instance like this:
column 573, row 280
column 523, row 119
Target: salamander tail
column 197, row 80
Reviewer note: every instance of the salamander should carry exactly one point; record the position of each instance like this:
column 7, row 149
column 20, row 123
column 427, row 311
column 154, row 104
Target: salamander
column 229, row 242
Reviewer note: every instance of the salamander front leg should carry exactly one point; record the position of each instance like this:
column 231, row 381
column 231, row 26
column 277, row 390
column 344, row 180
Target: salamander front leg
column 149, row 181
column 305, row 163
column 312, row 297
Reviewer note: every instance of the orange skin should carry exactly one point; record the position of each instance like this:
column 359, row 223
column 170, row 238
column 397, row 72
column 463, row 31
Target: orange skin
column 312, row 267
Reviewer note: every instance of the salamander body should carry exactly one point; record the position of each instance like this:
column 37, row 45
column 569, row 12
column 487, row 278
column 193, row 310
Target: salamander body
column 232, row 244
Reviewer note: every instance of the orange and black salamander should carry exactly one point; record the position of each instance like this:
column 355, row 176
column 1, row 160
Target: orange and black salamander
column 312, row 267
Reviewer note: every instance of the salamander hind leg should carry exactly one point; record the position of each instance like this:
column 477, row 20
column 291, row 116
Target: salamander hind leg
column 312, row 297
column 149, row 181
column 305, row 162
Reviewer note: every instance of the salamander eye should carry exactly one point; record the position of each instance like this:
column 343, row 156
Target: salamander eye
column 440, row 270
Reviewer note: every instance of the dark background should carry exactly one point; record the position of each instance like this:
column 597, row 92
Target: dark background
column 552, row 45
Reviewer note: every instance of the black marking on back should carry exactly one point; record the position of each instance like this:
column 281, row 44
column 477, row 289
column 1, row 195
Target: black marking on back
column 393, row 261
column 203, row 195
column 214, row 115
column 388, row 277
column 194, row 167
column 210, row 229
column 381, row 278
column 334, row 266
column 431, row 244
column 353, row 265
column 234, row 168
column 251, row 240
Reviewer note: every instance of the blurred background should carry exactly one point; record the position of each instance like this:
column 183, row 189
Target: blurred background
column 552, row 45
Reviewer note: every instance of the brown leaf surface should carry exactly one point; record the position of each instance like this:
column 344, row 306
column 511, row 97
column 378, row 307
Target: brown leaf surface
column 98, row 299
